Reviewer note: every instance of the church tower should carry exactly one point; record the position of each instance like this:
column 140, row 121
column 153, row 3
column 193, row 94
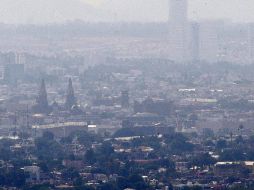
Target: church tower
column 70, row 98
column 41, row 105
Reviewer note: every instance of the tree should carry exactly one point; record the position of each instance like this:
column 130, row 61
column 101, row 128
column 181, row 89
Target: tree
column 122, row 183
column 203, row 160
column 107, row 186
column 106, row 149
column 47, row 135
column 70, row 173
column 78, row 182
column 239, row 140
column 84, row 188
column 49, row 151
column 179, row 146
column 137, row 182
column 15, row 178
column 232, row 155
column 90, row 156
column 38, row 187
column 221, row 144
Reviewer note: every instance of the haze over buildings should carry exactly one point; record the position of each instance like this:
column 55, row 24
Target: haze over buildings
column 44, row 11
column 126, row 94
column 179, row 27
column 185, row 30
column 210, row 40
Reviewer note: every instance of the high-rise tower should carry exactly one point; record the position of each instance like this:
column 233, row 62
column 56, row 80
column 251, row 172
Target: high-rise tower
column 178, row 21
column 194, row 41
column 125, row 99
column 251, row 42
column 178, row 11
column 70, row 98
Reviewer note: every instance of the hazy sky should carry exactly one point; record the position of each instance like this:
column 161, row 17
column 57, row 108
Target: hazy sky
column 43, row 11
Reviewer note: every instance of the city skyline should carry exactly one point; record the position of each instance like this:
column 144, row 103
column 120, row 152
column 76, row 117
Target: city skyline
column 41, row 12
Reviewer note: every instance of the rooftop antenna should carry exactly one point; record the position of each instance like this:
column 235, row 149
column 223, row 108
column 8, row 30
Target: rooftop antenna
column 178, row 125
column 27, row 117
column 15, row 124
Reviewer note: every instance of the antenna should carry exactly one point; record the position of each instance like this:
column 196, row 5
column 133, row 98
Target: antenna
column 27, row 117
column 15, row 124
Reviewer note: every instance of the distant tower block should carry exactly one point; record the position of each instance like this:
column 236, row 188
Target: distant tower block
column 178, row 29
column 251, row 43
column 178, row 11
column 125, row 99
column 70, row 98
column 41, row 105
column 194, row 44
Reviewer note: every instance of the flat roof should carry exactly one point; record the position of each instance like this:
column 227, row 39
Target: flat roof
column 56, row 125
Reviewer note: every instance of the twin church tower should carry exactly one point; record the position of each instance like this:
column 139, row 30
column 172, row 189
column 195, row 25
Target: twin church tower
column 42, row 106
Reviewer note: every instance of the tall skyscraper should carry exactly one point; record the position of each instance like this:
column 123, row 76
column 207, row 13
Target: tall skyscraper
column 13, row 73
column 194, row 42
column 125, row 99
column 178, row 21
column 178, row 11
column 251, row 42
column 209, row 40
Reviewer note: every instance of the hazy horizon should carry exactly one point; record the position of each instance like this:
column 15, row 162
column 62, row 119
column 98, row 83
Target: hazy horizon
column 52, row 11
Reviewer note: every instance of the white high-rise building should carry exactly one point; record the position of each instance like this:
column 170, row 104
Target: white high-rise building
column 251, row 42
column 209, row 47
column 178, row 34
column 178, row 11
column 194, row 42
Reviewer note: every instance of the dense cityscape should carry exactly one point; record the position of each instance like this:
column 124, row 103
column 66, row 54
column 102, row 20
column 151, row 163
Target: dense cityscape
column 127, row 106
